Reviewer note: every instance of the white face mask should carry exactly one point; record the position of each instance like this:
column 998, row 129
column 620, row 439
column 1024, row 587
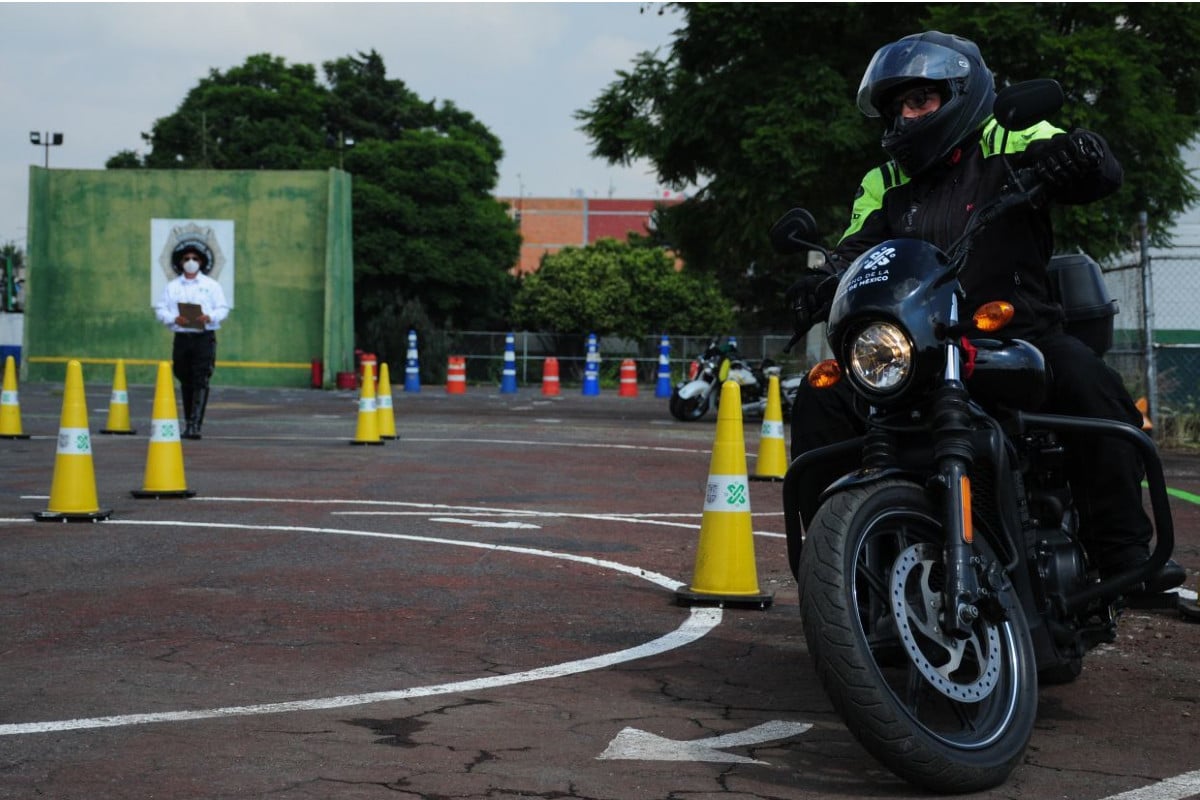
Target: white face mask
column 191, row 266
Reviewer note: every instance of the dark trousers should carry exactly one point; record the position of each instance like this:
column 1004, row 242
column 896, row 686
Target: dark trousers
column 193, row 356
column 1105, row 472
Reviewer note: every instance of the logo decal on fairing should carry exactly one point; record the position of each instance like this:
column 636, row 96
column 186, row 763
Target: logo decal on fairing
column 873, row 268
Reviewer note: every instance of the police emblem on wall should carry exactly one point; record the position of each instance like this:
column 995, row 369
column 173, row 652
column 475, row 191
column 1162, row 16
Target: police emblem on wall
column 212, row 240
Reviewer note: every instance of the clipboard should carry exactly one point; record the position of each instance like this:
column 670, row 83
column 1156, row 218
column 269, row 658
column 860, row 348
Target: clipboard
column 192, row 313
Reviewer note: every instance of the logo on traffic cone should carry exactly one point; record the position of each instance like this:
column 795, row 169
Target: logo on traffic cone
column 725, row 571
column 550, row 377
column 456, row 375
column 164, row 455
column 772, row 455
column 367, row 431
column 73, row 488
column 628, row 386
column 118, row 404
column 383, row 405
column 10, row 403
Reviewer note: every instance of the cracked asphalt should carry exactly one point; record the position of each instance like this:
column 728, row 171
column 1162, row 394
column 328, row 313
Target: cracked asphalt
column 474, row 610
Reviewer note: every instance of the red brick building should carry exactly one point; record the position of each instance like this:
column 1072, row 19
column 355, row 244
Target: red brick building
column 550, row 224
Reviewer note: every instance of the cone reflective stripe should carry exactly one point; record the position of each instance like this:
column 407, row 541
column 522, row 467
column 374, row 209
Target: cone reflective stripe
column 73, row 487
column 591, row 367
column 772, row 454
column 118, row 404
column 385, row 415
column 725, row 572
column 10, row 403
column 663, row 387
column 412, row 368
column 508, row 379
column 367, row 431
column 628, row 385
column 550, row 377
column 164, row 455
column 456, row 375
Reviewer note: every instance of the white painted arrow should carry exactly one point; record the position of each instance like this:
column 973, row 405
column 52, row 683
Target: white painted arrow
column 633, row 744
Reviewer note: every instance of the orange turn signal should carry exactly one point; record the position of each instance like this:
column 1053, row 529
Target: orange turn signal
column 993, row 316
column 824, row 374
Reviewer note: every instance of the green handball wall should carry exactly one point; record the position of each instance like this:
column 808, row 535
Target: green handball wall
column 90, row 269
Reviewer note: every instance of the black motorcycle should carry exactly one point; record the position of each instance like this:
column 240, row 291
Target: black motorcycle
column 692, row 397
column 941, row 575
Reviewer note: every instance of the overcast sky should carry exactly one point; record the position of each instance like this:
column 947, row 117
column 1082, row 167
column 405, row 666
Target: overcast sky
column 102, row 73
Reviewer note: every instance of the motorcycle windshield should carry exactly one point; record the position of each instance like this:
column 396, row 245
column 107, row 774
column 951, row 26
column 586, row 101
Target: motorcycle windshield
column 895, row 279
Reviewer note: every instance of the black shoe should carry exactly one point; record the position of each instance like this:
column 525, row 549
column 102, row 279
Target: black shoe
column 190, row 432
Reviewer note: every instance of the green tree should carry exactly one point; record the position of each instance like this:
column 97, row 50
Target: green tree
column 610, row 287
column 754, row 104
column 428, row 235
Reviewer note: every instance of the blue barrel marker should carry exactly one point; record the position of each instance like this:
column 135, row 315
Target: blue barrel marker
column 591, row 368
column 412, row 370
column 663, row 387
column 508, row 380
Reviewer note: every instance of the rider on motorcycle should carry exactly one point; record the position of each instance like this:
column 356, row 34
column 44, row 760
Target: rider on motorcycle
column 935, row 94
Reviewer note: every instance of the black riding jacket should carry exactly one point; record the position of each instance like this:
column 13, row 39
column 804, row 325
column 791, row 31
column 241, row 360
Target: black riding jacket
column 1008, row 260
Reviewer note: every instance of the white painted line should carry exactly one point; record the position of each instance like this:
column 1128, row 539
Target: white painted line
column 475, row 523
column 699, row 622
column 1176, row 788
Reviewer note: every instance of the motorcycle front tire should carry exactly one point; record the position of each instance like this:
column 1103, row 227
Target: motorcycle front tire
column 868, row 578
column 688, row 409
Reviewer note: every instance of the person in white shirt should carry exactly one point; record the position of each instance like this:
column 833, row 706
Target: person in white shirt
column 195, row 322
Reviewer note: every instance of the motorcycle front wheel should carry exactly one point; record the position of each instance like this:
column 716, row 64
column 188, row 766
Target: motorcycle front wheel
column 688, row 409
column 946, row 714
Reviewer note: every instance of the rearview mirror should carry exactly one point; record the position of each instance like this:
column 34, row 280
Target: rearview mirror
column 794, row 232
column 1025, row 104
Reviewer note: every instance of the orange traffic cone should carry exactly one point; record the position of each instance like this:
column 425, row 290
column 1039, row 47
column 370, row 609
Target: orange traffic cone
column 164, row 457
column 367, row 431
column 456, row 375
column 385, row 416
column 1143, row 406
column 628, row 387
column 73, row 488
column 725, row 570
column 550, row 377
column 118, row 404
column 10, row 403
column 772, row 455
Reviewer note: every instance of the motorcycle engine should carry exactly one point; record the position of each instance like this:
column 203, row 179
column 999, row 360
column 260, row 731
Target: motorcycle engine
column 1061, row 565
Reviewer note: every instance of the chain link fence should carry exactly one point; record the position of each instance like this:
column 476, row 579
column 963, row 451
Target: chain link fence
column 1166, row 373
column 484, row 353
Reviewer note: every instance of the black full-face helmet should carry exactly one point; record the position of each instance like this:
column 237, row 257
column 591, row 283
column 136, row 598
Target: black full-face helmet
column 191, row 246
column 954, row 65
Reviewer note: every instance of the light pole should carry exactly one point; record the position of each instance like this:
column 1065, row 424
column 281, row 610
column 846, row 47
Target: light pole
column 45, row 140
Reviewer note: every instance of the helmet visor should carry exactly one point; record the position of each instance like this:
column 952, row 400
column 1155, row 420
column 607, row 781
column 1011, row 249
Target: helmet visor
column 904, row 61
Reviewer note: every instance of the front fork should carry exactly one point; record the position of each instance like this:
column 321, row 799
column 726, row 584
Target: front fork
column 954, row 453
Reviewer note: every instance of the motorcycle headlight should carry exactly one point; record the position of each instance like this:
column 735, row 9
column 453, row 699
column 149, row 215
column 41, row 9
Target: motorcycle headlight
column 881, row 357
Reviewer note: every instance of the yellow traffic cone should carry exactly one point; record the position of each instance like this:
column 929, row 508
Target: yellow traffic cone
column 725, row 569
column 385, row 416
column 367, row 431
column 10, row 403
column 164, row 457
column 73, row 488
column 118, row 404
column 772, row 455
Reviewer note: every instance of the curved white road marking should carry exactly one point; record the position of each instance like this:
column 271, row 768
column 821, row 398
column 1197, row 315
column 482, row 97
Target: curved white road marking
column 1176, row 788
column 699, row 622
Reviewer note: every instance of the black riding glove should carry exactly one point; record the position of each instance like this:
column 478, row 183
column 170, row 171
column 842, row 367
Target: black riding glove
column 810, row 298
column 1065, row 159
